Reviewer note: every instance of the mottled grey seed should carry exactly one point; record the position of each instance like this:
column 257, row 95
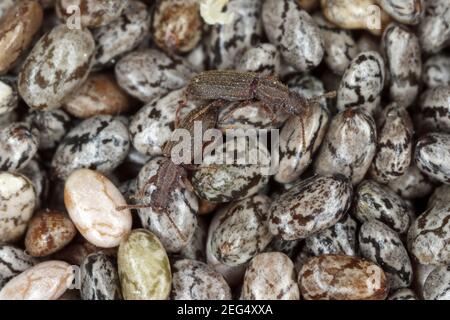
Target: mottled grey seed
column 433, row 110
column 220, row 181
column 437, row 284
column 98, row 143
column 403, row 294
column 149, row 74
column 382, row 245
column 436, row 71
column 310, row 206
column 374, row 201
column 394, row 146
column 50, row 126
column 242, row 232
column 362, row 82
column 99, row 278
column 349, row 145
column 404, row 11
column 270, row 276
column 429, row 236
column 434, row 29
column 12, row 262
column 9, row 97
column 152, row 126
column 263, row 59
column 18, row 145
column 412, row 184
column 340, row 238
column 340, row 47
column 294, row 32
column 195, row 280
column 404, row 62
column 122, row 35
column 432, row 154
column 226, row 43
column 56, row 67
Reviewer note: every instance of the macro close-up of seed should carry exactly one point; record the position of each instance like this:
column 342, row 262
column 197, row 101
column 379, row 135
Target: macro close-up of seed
column 224, row 150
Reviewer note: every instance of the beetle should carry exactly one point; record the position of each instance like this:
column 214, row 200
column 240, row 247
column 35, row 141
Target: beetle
column 234, row 85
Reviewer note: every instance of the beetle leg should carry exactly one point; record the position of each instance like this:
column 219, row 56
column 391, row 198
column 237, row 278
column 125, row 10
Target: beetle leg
column 236, row 106
column 141, row 193
column 133, row 206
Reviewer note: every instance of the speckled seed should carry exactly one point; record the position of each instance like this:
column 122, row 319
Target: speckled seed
column 374, row 201
column 17, row 29
column 48, row 232
column 195, row 280
column 403, row 294
column 340, row 47
column 362, row 82
column 152, row 126
column 99, row 95
column 99, row 278
column 9, row 97
column 177, row 25
column 18, row 200
column 429, row 236
column 91, row 200
column 404, row 11
column 349, row 146
column 356, row 14
column 226, row 43
column 294, row 32
column 12, row 262
column 339, row 239
column 122, row 35
column 412, row 185
column 233, row 275
column 218, row 181
column 295, row 153
column 144, row 268
column 404, row 62
column 394, row 146
column 433, row 109
column 45, row 281
column 49, row 126
column 270, row 276
column 175, row 226
column 38, row 176
column 436, row 71
column 242, row 232
column 440, row 197
column 432, row 154
column 382, row 245
column 56, row 67
column 196, row 248
column 263, row 58
column 99, row 143
column 310, row 206
column 18, row 145
column 437, row 284
column 249, row 115
column 434, row 30
column 92, row 13
column 339, row 277
column 149, row 74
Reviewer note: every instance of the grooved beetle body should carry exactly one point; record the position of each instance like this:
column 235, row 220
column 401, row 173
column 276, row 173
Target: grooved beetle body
column 241, row 86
